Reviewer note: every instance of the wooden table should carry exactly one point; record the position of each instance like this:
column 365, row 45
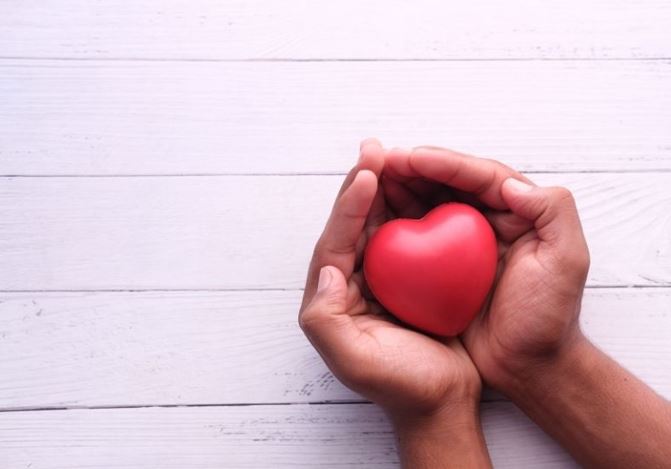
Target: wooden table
column 167, row 165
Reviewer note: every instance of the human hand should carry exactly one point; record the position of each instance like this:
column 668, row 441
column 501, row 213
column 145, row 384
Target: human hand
column 527, row 342
column 428, row 386
column 531, row 316
column 396, row 367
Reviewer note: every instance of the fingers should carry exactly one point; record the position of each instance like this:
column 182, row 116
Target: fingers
column 423, row 188
column 372, row 158
column 325, row 319
column 337, row 244
column 554, row 215
column 402, row 201
column 508, row 225
column 481, row 177
column 378, row 212
column 409, row 195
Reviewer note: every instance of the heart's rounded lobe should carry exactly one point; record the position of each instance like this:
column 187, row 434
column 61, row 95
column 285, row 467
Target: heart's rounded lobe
column 433, row 273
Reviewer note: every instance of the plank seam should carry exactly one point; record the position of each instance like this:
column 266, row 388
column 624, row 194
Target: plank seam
column 298, row 174
column 335, row 59
column 172, row 406
column 263, row 289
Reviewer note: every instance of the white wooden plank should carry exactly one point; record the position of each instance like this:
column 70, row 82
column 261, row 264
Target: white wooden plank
column 428, row 29
column 112, row 349
column 258, row 232
column 324, row 436
column 185, row 118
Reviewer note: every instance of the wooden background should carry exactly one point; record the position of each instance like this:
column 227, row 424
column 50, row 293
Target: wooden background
column 167, row 165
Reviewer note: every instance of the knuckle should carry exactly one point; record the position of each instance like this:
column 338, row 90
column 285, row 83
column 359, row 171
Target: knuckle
column 324, row 250
column 571, row 260
column 495, row 163
column 498, row 166
column 487, row 183
column 579, row 260
column 319, row 244
column 575, row 261
column 561, row 195
column 321, row 249
column 307, row 320
column 317, row 250
column 587, row 259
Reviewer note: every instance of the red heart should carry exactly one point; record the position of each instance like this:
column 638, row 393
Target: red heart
column 433, row 273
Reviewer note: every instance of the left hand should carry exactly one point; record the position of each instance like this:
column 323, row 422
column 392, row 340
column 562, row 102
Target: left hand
column 409, row 374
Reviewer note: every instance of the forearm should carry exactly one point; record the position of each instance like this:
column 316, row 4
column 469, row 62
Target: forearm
column 451, row 440
column 602, row 414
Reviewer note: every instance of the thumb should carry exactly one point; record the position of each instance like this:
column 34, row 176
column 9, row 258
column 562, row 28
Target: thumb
column 325, row 319
column 551, row 209
column 330, row 297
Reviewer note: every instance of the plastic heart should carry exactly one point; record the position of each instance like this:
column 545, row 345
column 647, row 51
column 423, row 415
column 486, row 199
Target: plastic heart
column 433, row 273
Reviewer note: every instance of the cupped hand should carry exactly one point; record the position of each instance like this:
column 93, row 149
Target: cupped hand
column 406, row 372
column 532, row 313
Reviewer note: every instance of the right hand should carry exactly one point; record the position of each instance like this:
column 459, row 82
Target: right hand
column 532, row 313
column 414, row 377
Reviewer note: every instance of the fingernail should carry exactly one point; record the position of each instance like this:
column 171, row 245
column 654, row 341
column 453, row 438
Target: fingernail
column 518, row 186
column 364, row 147
column 324, row 279
column 361, row 155
column 368, row 141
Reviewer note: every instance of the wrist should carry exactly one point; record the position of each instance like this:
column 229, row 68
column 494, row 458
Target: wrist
column 589, row 404
column 539, row 374
column 450, row 437
column 449, row 418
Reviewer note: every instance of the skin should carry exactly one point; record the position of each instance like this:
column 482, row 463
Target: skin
column 527, row 345
column 527, row 342
column 428, row 386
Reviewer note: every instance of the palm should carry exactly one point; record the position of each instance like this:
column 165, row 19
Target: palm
column 399, row 358
column 508, row 310
column 362, row 344
column 505, row 321
column 420, row 369
column 514, row 323
column 534, row 305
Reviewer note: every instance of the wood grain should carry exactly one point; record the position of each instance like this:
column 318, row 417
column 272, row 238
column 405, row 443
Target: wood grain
column 178, row 348
column 294, row 29
column 325, row 436
column 258, row 93
column 126, row 117
column 240, row 232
